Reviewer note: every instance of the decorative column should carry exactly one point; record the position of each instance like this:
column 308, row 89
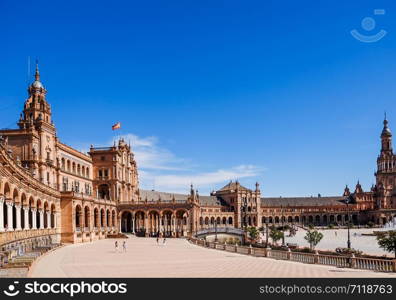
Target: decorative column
column 133, row 223
column 18, row 217
column 41, row 212
column 1, row 214
column 34, row 218
column 146, row 223
column 26, row 217
column 161, row 227
column 10, row 224
column 48, row 219
column 174, row 225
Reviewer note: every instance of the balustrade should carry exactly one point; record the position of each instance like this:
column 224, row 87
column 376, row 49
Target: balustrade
column 380, row 265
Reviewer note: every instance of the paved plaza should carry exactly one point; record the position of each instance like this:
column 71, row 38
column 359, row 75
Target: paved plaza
column 338, row 238
column 178, row 258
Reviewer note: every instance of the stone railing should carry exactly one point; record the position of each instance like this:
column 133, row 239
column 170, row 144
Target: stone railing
column 373, row 264
column 11, row 236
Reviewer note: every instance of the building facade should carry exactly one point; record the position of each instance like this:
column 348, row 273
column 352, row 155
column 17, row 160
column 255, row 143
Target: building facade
column 50, row 190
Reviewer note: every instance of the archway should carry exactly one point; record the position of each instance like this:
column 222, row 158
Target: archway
column 126, row 222
column 140, row 226
column 77, row 220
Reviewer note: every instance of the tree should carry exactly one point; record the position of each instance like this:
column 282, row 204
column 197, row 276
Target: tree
column 253, row 232
column 313, row 237
column 275, row 235
column 387, row 241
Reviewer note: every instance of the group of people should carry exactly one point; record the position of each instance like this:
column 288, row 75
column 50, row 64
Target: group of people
column 123, row 246
column 163, row 242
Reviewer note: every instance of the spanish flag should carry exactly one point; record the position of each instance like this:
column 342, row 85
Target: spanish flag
column 116, row 126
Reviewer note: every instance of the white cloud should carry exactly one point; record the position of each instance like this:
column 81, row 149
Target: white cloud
column 204, row 181
column 151, row 156
column 161, row 169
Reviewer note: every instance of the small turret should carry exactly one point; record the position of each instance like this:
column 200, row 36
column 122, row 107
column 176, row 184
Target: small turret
column 386, row 138
column 358, row 189
column 347, row 192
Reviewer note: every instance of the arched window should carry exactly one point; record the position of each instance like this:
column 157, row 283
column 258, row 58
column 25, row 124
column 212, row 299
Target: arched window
column 78, row 216
column 86, row 216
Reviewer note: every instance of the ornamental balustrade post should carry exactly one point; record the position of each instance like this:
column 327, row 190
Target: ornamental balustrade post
column 267, row 252
column 236, row 247
column 352, row 263
column 288, row 253
column 251, row 250
column 394, row 265
column 1, row 214
column 316, row 257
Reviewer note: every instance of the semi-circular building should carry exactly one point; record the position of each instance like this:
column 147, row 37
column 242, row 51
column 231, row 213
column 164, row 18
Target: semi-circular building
column 51, row 193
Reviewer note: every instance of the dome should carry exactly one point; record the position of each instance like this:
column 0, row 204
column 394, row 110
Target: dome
column 386, row 131
column 37, row 84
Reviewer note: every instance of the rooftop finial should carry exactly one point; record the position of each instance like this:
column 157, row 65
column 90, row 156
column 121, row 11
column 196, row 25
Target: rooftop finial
column 37, row 74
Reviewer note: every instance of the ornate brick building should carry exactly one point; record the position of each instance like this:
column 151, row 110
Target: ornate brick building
column 50, row 190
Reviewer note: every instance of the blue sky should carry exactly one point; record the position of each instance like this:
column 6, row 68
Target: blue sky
column 272, row 91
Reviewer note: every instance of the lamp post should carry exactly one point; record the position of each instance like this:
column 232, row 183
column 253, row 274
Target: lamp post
column 215, row 230
column 349, row 234
column 283, row 227
column 266, row 232
column 243, row 212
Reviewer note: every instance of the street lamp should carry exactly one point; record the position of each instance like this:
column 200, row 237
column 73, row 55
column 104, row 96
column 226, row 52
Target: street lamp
column 283, row 227
column 243, row 211
column 266, row 232
column 349, row 234
column 215, row 231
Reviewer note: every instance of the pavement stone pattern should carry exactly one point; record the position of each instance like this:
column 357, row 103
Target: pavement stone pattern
column 176, row 259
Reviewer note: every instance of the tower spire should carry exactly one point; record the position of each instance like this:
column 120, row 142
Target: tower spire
column 37, row 74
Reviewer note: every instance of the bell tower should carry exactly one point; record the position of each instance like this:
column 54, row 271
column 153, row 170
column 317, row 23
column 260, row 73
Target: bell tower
column 386, row 170
column 36, row 121
column 36, row 111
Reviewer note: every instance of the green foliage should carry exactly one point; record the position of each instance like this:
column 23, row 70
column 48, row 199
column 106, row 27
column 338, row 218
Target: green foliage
column 387, row 241
column 370, row 224
column 253, row 232
column 313, row 237
column 275, row 235
column 348, row 251
column 330, row 226
column 311, row 226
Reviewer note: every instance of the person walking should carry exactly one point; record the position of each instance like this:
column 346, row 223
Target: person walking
column 157, row 239
column 116, row 246
column 164, row 241
column 124, row 246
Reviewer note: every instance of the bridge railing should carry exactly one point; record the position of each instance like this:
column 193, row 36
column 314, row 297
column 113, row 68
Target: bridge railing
column 230, row 230
column 373, row 264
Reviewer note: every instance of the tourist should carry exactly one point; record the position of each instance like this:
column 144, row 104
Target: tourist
column 335, row 233
column 157, row 239
column 164, row 241
column 116, row 246
column 124, row 246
